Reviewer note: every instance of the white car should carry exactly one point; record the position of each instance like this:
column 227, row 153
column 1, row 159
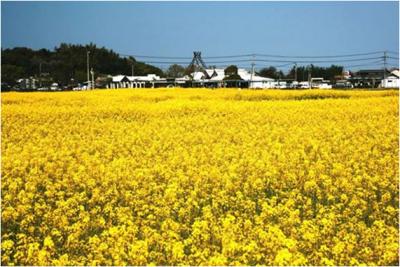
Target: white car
column 280, row 85
column 304, row 85
column 54, row 87
column 324, row 86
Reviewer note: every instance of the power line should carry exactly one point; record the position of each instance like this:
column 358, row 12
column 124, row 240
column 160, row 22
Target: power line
column 320, row 61
column 286, row 60
column 261, row 55
column 330, row 56
column 283, row 65
column 376, row 63
column 233, row 56
column 267, row 60
column 154, row 57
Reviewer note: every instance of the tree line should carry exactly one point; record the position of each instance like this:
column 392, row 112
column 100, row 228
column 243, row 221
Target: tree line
column 328, row 73
column 67, row 65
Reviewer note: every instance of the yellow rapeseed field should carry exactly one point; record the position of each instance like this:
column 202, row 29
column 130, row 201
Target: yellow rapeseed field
column 200, row 177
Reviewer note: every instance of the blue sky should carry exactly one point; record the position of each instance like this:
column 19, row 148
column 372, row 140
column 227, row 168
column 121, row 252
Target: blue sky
column 215, row 28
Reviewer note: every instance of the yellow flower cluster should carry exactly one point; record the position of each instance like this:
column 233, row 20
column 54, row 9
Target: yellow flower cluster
column 200, row 177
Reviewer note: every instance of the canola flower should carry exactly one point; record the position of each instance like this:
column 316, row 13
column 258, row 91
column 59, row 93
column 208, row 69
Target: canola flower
column 200, row 177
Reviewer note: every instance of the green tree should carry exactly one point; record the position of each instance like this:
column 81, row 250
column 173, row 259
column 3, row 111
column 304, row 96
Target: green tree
column 232, row 77
column 328, row 73
column 68, row 62
column 175, row 71
column 271, row 72
column 10, row 73
column 231, row 70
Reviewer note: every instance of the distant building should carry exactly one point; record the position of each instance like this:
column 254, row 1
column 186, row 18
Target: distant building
column 27, row 84
column 256, row 81
column 217, row 78
column 391, row 81
column 211, row 78
column 123, row 81
column 368, row 78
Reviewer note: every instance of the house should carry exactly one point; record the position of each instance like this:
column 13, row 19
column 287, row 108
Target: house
column 368, row 78
column 392, row 81
column 27, row 84
column 123, row 81
column 118, row 81
column 217, row 78
column 211, row 78
column 256, row 81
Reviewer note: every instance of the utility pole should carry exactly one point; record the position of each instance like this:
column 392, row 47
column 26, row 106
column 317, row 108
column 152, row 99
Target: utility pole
column 87, row 70
column 295, row 71
column 40, row 74
column 384, row 64
column 133, row 69
column 252, row 72
column 309, row 77
column 92, row 83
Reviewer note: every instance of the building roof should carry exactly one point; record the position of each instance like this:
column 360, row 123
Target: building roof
column 217, row 75
column 246, row 75
column 198, row 75
column 118, row 78
column 147, row 78
column 210, row 72
column 395, row 73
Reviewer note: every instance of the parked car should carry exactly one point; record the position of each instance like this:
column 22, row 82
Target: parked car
column 320, row 83
column 324, row 86
column 55, row 87
column 295, row 85
column 343, row 84
column 304, row 85
column 280, row 85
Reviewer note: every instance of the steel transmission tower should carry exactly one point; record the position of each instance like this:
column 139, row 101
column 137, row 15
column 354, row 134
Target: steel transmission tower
column 197, row 63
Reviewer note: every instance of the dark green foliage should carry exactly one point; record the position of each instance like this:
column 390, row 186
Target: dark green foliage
column 232, row 78
column 68, row 62
column 271, row 72
column 10, row 73
column 175, row 71
column 231, row 70
column 328, row 73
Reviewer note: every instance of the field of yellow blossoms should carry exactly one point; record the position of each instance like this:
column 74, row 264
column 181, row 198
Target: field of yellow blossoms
column 200, row 177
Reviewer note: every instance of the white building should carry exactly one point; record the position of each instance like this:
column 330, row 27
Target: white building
column 207, row 78
column 256, row 81
column 392, row 81
column 216, row 78
column 123, row 81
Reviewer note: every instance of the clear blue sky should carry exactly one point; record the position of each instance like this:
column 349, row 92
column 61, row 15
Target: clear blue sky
column 215, row 28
